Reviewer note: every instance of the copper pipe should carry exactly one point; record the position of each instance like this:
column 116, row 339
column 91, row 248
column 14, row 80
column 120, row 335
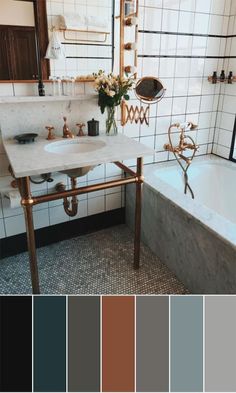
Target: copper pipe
column 125, row 168
column 73, row 210
column 27, row 203
column 138, row 207
column 83, row 190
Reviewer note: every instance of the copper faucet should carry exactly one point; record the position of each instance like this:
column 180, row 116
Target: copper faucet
column 183, row 145
column 50, row 133
column 80, row 127
column 66, row 131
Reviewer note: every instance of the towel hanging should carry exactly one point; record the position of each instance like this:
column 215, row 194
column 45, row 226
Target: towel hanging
column 55, row 49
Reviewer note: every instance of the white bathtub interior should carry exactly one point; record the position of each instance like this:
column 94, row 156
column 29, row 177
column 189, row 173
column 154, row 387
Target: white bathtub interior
column 213, row 181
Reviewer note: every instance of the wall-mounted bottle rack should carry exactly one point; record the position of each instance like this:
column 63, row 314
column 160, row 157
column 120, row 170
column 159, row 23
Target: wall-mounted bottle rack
column 127, row 20
column 222, row 78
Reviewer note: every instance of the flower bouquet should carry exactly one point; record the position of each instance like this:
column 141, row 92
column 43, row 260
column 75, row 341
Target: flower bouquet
column 111, row 90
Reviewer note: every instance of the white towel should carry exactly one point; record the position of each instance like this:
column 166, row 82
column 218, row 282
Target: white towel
column 98, row 22
column 72, row 21
column 55, row 50
column 82, row 22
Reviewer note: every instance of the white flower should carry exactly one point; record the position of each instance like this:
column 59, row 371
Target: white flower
column 111, row 93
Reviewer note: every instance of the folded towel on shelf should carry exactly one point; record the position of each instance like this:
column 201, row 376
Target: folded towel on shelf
column 83, row 22
column 98, row 23
column 72, row 21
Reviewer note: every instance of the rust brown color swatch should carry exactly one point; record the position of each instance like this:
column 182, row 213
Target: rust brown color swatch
column 118, row 344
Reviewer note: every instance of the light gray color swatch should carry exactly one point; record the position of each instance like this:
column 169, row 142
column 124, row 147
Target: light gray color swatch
column 220, row 347
column 152, row 343
column 186, row 344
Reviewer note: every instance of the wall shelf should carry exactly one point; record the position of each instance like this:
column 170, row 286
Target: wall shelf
column 24, row 99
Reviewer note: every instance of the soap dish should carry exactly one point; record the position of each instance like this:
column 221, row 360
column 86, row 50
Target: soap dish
column 25, row 138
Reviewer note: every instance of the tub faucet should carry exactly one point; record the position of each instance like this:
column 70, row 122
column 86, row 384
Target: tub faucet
column 183, row 145
column 66, row 131
column 186, row 142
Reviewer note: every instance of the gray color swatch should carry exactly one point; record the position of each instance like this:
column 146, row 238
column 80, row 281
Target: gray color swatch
column 84, row 344
column 220, row 347
column 186, row 344
column 152, row 343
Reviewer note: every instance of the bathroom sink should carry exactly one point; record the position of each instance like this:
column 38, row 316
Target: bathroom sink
column 78, row 172
column 74, row 146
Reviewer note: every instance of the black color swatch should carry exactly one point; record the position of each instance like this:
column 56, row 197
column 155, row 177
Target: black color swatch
column 16, row 344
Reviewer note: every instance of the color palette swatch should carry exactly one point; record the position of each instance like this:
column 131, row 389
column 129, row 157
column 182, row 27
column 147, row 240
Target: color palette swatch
column 118, row 343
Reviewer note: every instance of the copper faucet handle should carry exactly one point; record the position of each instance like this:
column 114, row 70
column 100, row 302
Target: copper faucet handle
column 50, row 132
column 81, row 131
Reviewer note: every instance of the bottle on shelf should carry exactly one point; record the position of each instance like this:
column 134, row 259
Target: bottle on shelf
column 214, row 77
column 58, row 89
column 72, row 86
column 53, row 85
column 41, row 89
column 230, row 77
column 222, row 76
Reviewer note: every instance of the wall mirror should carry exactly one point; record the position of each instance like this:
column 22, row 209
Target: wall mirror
column 26, row 27
column 149, row 90
column 232, row 156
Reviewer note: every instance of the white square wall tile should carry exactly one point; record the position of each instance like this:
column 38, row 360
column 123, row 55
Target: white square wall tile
column 225, row 138
column 188, row 5
column 167, row 67
column 96, row 205
column 113, row 201
column 227, row 121
column 57, row 215
column 193, row 104
column 179, row 105
column 14, row 225
column 203, row 5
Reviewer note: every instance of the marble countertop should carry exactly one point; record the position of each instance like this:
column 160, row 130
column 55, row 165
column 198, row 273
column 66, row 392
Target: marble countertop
column 32, row 159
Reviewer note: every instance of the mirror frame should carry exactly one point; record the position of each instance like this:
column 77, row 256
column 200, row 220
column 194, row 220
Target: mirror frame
column 233, row 147
column 41, row 37
column 143, row 98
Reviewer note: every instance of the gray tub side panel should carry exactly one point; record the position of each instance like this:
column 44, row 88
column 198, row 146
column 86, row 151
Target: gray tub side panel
column 204, row 262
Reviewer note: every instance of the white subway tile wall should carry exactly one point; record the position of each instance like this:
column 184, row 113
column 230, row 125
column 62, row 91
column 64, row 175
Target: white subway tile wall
column 81, row 58
column 180, row 41
column 227, row 100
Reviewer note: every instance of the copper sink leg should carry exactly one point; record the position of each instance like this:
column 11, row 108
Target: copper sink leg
column 138, row 209
column 27, row 204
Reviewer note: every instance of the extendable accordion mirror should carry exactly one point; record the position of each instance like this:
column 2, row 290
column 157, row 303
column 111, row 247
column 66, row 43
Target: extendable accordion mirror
column 149, row 90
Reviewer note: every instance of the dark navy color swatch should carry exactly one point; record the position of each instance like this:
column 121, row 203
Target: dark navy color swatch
column 50, row 344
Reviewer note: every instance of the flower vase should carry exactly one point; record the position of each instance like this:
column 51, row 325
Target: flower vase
column 111, row 126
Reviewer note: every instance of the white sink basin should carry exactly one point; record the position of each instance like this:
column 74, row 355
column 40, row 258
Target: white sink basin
column 74, row 146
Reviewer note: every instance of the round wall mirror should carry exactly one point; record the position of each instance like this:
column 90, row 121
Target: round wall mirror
column 149, row 90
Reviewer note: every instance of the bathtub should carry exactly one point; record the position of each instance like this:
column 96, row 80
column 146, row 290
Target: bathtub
column 196, row 237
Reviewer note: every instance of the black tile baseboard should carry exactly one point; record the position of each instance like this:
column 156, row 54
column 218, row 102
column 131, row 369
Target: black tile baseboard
column 14, row 245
